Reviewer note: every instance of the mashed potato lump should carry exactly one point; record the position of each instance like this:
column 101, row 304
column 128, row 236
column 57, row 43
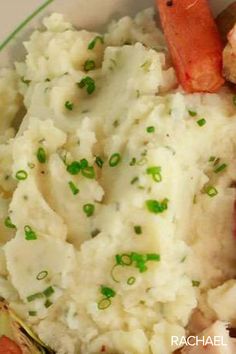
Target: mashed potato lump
column 117, row 194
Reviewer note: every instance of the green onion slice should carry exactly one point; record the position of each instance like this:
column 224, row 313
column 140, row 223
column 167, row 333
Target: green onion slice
column 196, row 283
column 131, row 280
column 211, row 191
column 92, row 44
column 89, row 209
column 99, row 161
column 150, row 129
column 41, row 155
column 35, row 296
column 220, row 168
column 201, row 122
column 88, row 172
column 42, row 275
column 112, row 273
column 133, row 161
column 157, row 207
column 89, row 83
column 134, row 180
column 8, row 223
column 73, row 188
column 104, row 303
column 89, row 65
column 21, row 175
column 138, row 229
column 69, row 105
column 153, row 257
column 155, row 172
column 107, row 292
column 124, row 259
column 49, row 291
column 74, row 168
column 114, row 159
column 29, row 233
column 83, row 163
column 192, row 113
column 47, row 303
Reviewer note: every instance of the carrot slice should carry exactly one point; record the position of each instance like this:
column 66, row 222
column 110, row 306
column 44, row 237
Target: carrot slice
column 7, row 346
column 194, row 43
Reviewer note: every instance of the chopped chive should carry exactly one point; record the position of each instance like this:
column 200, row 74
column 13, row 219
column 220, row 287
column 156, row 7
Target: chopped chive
column 150, row 129
column 21, row 175
column 133, row 161
column 42, row 275
column 201, row 122
column 89, row 83
column 138, row 229
column 73, row 188
column 104, row 303
column 69, row 105
column 196, row 283
column 29, row 233
column 114, row 159
column 116, row 123
column 84, row 163
column 74, row 168
column 89, row 209
column 234, row 100
column 107, row 292
column 88, row 172
column 192, row 113
column 89, row 65
column 157, row 207
column 47, row 303
column 124, row 259
column 146, row 65
column 27, row 82
column 212, row 158
column 95, row 232
column 92, row 44
column 134, row 180
column 41, row 155
column 217, row 161
column 131, row 280
column 31, row 165
column 49, row 291
column 153, row 257
column 35, row 296
column 8, row 223
column 211, row 191
column 32, row 313
column 155, row 172
column 99, row 161
column 220, row 168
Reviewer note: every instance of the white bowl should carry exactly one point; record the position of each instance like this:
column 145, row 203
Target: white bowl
column 90, row 14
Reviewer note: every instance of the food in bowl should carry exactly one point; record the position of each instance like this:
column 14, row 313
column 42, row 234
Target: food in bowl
column 117, row 196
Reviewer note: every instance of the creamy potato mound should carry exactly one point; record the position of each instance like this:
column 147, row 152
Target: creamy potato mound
column 117, row 194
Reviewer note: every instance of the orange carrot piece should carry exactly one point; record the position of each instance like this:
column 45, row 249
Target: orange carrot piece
column 7, row 346
column 194, row 43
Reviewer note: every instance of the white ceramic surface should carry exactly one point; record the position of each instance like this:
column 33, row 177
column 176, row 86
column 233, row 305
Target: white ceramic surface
column 90, row 14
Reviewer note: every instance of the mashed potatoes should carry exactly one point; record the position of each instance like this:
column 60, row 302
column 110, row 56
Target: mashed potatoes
column 116, row 191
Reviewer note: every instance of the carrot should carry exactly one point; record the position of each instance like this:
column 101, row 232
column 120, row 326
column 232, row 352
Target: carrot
column 194, row 43
column 7, row 346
